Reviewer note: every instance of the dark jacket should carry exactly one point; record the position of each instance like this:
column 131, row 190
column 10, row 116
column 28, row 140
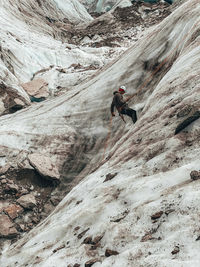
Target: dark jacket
column 118, row 102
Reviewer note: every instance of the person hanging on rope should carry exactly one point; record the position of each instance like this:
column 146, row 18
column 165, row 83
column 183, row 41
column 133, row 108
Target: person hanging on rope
column 122, row 106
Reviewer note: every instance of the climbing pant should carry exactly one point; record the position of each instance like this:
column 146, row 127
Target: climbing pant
column 130, row 112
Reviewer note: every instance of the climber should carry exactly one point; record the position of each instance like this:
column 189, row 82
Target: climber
column 121, row 105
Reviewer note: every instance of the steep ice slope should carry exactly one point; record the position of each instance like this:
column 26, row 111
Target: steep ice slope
column 55, row 9
column 34, row 37
column 153, row 166
column 29, row 40
column 104, row 5
column 74, row 10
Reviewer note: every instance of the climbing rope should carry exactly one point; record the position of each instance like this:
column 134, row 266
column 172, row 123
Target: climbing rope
column 107, row 139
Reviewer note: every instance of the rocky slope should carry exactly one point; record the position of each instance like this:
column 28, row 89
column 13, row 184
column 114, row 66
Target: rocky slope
column 136, row 204
column 101, row 6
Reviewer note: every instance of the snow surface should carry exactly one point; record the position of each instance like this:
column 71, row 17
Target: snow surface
column 74, row 10
column 31, row 48
column 153, row 166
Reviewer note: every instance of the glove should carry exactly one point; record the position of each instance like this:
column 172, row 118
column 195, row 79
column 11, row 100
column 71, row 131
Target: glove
column 113, row 114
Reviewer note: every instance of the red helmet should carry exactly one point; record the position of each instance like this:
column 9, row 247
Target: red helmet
column 122, row 89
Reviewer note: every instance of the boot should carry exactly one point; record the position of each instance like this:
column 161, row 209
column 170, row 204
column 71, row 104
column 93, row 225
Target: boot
column 134, row 116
